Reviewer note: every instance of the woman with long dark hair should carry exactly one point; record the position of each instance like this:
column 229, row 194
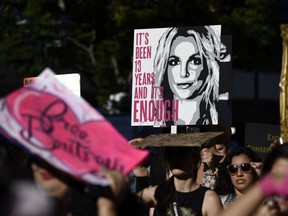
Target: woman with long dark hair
column 270, row 193
column 241, row 166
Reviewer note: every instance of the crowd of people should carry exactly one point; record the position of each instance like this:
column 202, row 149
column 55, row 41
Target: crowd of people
column 211, row 179
column 238, row 183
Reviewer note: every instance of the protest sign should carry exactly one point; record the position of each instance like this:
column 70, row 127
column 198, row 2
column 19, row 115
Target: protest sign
column 176, row 76
column 259, row 136
column 51, row 122
column 178, row 140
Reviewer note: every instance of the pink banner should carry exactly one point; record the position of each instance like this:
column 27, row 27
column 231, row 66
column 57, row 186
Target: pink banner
column 63, row 129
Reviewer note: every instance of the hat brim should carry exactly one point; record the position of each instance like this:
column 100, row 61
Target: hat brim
column 177, row 140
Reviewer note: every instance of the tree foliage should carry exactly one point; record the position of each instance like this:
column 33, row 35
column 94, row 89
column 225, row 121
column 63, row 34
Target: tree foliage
column 95, row 38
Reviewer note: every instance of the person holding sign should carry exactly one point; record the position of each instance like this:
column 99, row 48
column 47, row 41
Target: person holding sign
column 180, row 194
column 186, row 67
column 52, row 124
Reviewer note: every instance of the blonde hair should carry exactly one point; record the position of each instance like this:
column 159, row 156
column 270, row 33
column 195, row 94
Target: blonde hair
column 209, row 46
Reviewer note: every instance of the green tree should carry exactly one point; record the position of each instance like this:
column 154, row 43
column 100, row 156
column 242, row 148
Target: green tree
column 95, row 38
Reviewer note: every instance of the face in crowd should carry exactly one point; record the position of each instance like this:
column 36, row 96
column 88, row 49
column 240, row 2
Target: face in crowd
column 279, row 170
column 49, row 183
column 241, row 173
column 182, row 161
column 221, row 149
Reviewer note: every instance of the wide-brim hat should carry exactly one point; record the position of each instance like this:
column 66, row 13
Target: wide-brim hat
column 178, row 140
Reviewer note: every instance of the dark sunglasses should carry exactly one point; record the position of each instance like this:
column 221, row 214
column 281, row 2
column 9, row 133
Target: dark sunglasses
column 245, row 167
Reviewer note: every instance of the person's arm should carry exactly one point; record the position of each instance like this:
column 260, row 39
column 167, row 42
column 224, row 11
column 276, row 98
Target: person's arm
column 248, row 203
column 267, row 208
column 143, row 191
column 107, row 202
column 141, row 174
column 212, row 205
column 147, row 196
column 106, row 207
column 207, row 173
column 257, row 167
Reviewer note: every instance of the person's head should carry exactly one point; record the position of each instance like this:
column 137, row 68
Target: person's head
column 183, row 164
column 61, row 187
column 276, row 163
column 222, row 142
column 239, row 166
column 187, row 60
column 48, row 182
column 182, row 161
column 221, row 148
column 208, row 150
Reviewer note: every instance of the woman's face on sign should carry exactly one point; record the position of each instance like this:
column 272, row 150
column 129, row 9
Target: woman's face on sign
column 185, row 65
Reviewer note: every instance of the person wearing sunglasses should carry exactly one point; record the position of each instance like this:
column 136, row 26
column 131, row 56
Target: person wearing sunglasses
column 242, row 164
column 270, row 190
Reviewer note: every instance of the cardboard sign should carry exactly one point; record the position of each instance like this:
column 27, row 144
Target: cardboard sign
column 176, row 76
column 53, row 123
column 258, row 137
column 178, row 140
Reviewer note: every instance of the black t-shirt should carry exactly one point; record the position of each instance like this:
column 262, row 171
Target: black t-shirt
column 190, row 203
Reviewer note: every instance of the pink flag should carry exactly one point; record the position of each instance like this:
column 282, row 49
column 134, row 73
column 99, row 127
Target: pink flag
column 63, row 129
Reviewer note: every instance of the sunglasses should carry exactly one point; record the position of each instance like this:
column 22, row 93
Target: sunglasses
column 245, row 167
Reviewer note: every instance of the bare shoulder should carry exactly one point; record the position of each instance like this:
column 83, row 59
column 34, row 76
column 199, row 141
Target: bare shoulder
column 211, row 199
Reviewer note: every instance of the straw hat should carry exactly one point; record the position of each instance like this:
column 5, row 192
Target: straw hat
column 178, row 140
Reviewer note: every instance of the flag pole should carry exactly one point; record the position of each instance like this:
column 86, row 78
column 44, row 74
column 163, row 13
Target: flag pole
column 283, row 86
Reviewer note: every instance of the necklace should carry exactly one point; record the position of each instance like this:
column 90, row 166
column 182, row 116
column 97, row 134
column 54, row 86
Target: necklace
column 175, row 209
column 175, row 206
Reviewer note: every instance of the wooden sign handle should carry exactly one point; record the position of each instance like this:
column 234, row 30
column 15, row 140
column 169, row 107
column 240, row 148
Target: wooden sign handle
column 284, row 86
